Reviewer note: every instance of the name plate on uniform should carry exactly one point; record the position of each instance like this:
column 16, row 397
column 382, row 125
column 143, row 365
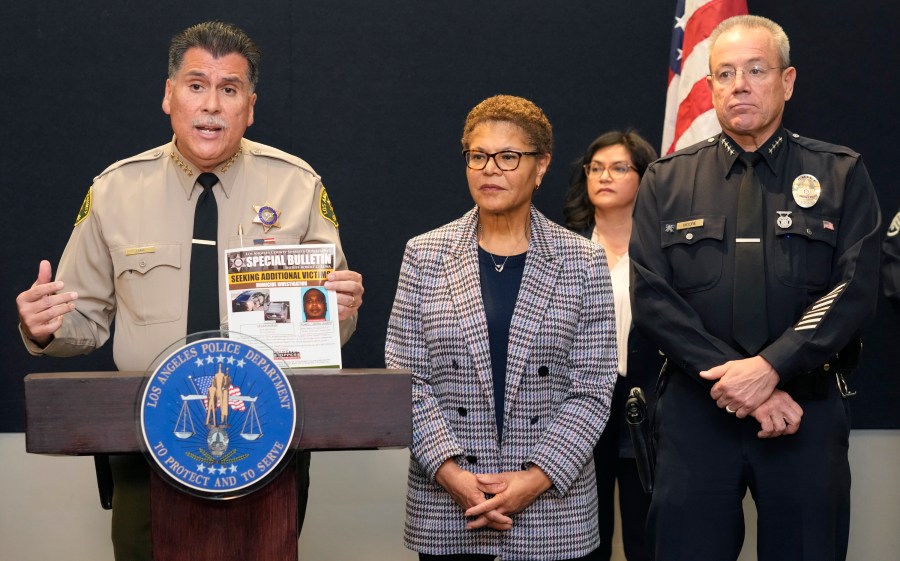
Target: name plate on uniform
column 217, row 418
column 689, row 224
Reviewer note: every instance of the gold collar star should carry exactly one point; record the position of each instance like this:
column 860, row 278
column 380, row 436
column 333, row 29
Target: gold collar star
column 267, row 216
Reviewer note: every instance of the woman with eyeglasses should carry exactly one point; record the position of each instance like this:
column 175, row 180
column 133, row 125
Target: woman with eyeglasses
column 506, row 321
column 601, row 196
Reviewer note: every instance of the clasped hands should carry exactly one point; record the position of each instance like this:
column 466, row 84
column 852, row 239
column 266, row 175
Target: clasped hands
column 489, row 499
column 748, row 387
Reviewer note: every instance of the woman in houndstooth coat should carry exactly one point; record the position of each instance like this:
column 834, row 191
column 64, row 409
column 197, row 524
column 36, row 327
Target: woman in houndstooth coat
column 506, row 321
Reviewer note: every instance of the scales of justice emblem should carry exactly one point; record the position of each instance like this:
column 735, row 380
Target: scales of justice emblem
column 220, row 393
column 217, row 418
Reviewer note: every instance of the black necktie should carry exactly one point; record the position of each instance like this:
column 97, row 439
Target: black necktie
column 750, row 322
column 203, row 298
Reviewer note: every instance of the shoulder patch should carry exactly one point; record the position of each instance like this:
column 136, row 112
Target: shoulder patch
column 85, row 209
column 325, row 208
column 894, row 228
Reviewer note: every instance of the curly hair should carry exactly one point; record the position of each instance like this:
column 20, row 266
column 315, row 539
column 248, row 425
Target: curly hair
column 516, row 110
column 578, row 209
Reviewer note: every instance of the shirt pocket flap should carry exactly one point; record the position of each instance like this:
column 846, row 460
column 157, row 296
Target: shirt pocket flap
column 691, row 229
column 144, row 258
column 811, row 226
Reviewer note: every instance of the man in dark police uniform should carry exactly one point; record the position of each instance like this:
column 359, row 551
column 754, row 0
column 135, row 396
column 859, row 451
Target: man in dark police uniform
column 754, row 267
column 890, row 273
column 135, row 242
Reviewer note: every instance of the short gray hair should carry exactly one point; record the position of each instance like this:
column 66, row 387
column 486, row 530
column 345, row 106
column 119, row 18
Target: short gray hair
column 218, row 39
column 782, row 44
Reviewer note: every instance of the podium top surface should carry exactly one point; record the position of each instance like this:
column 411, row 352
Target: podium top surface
column 80, row 413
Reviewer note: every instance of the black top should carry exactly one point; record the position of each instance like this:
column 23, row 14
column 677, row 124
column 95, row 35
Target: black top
column 644, row 364
column 499, row 290
column 821, row 243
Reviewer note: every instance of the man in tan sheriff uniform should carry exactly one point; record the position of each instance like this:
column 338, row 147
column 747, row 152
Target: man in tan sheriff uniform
column 129, row 255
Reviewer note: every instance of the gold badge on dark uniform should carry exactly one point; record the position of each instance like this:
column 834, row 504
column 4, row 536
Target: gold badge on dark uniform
column 325, row 208
column 697, row 223
column 85, row 209
column 267, row 215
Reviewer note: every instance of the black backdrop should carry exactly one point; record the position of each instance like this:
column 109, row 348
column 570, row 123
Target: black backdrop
column 373, row 94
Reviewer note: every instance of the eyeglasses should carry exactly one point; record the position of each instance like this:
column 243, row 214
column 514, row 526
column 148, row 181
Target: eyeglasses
column 507, row 160
column 755, row 74
column 616, row 171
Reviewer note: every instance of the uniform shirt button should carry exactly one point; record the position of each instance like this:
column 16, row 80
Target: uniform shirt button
column 808, row 232
column 472, row 460
column 543, row 371
column 142, row 264
column 535, row 419
column 462, row 411
column 689, row 236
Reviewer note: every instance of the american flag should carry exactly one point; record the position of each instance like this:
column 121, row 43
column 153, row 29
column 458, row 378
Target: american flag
column 203, row 384
column 690, row 117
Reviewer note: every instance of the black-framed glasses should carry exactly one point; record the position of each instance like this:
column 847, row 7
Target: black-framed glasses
column 507, row 160
column 756, row 74
column 617, row 171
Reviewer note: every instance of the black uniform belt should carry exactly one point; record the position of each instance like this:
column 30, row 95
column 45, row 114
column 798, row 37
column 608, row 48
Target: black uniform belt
column 812, row 385
column 836, row 370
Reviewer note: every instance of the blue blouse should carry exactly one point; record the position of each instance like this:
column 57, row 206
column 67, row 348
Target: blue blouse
column 499, row 291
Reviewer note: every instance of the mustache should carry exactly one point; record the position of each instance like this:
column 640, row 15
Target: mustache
column 210, row 121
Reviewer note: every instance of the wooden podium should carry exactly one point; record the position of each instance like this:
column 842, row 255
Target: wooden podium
column 86, row 413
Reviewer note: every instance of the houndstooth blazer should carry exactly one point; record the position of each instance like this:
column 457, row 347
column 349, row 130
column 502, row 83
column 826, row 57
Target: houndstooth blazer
column 560, row 376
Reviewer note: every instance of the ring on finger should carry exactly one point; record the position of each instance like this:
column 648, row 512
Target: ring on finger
column 729, row 410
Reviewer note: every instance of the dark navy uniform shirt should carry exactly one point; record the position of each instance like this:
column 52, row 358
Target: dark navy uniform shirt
column 821, row 261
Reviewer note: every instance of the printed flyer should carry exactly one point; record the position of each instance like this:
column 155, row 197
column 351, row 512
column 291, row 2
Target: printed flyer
column 277, row 297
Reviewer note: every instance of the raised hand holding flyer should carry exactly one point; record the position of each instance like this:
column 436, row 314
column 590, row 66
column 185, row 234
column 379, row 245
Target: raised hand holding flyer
column 277, row 296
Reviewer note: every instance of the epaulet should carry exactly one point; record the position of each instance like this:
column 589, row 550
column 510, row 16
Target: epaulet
column 152, row 154
column 258, row 149
column 692, row 149
column 820, row 146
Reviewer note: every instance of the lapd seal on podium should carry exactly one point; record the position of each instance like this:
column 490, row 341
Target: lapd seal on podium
column 217, row 418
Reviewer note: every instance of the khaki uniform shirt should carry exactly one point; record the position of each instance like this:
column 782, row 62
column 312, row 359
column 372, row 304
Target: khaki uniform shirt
column 129, row 255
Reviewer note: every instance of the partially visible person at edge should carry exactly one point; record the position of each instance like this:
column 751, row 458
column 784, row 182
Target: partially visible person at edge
column 890, row 271
column 148, row 201
column 598, row 206
column 506, row 321
column 798, row 219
